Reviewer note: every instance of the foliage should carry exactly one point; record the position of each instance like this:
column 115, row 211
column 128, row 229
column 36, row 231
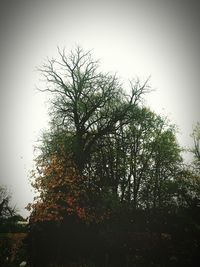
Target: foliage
column 196, row 149
column 63, row 192
column 109, row 175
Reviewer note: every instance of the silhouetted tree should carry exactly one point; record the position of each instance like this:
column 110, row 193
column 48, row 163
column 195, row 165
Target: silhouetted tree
column 107, row 167
column 87, row 103
column 6, row 209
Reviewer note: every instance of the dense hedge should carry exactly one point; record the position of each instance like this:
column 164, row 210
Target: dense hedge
column 156, row 240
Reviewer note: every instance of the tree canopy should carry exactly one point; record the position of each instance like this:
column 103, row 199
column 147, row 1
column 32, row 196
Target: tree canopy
column 107, row 166
column 123, row 152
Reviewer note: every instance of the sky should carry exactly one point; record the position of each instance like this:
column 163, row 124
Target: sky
column 141, row 38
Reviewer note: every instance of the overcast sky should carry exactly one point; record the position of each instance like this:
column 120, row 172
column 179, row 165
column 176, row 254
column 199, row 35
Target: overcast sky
column 135, row 38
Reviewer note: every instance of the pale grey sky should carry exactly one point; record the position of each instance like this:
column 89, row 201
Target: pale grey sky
column 157, row 38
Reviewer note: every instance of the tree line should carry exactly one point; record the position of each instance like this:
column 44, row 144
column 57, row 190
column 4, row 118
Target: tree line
column 109, row 175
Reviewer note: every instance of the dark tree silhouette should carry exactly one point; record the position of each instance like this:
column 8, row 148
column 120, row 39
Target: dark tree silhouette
column 112, row 186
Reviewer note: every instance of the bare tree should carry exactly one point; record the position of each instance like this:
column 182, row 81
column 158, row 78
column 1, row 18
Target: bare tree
column 86, row 101
column 6, row 210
